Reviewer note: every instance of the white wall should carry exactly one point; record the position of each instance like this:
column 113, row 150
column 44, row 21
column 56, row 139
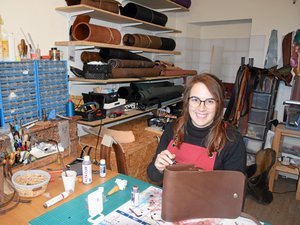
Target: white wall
column 39, row 18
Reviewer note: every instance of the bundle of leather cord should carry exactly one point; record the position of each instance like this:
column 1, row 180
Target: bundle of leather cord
column 248, row 78
column 149, row 41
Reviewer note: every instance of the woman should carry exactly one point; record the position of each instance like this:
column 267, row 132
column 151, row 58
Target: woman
column 200, row 136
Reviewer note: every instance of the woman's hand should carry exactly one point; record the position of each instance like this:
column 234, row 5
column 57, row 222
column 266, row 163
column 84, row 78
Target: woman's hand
column 164, row 159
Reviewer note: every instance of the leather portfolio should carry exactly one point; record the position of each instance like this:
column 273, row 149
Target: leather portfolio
column 190, row 193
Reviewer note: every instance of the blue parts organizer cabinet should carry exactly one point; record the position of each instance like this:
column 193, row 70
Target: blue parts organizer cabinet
column 26, row 88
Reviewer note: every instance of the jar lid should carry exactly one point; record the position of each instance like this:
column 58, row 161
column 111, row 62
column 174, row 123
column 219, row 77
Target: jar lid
column 102, row 161
column 86, row 157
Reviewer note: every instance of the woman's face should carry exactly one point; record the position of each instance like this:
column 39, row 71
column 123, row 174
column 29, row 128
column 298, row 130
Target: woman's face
column 202, row 115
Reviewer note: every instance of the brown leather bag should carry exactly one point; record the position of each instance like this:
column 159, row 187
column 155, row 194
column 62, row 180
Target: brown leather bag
column 191, row 193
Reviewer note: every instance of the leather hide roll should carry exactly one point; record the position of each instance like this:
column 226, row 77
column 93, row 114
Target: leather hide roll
column 158, row 93
column 134, row 72
column 125, row 92
column 142, row 40
column 90, row 32
column 107, row 5
column 109, row 53
column 145, row 86
column 167, row 44
column 79, row 19
column 123, row 63
column 90, row 56
column 184, row 3
column 142, row 13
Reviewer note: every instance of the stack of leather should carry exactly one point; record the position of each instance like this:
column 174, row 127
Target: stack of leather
column 169, row 69
column 126, row 64
column 108, row 5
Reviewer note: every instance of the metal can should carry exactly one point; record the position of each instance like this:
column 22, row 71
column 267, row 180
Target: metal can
column 135, row 195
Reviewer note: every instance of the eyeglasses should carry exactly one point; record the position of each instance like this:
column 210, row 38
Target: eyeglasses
column 195, row 102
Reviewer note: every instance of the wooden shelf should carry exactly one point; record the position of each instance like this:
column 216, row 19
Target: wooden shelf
column 160, row 5
column 286, row 169
column 123, row 80
column 128, row 114
column 113, row 18
column 81, row 44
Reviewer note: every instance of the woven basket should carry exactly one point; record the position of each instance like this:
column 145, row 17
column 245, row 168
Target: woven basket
column 31, row 190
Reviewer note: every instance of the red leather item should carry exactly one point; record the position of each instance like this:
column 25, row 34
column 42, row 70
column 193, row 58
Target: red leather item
column 193, row 154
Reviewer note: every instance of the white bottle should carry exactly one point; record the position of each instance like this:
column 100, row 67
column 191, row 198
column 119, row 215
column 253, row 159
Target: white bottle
column 102, row 168
column 86, row 170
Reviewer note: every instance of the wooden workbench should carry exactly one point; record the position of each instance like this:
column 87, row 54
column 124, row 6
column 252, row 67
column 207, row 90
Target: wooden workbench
column 25, row 212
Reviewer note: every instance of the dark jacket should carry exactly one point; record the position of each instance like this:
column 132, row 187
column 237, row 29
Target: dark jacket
column 231, row 157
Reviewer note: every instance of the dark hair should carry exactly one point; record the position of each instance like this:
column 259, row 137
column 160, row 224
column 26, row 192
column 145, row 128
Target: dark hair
column 216, row 138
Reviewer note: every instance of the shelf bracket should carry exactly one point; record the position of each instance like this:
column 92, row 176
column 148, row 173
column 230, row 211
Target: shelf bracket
column 69, row 15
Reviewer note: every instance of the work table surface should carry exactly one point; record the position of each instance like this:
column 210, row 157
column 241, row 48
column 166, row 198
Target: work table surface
column 25, row 212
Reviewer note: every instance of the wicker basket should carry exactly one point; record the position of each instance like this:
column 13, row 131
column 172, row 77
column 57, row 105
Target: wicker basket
column 31, row 190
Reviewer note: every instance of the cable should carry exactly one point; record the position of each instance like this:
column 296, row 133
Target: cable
column 98, row 137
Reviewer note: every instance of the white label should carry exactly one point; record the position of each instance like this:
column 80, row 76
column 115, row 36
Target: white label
column 86, row 174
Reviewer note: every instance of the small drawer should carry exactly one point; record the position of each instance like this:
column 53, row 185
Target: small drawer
column 261, row 100
column 253, row 146
column 256, row 131
column 258, row 116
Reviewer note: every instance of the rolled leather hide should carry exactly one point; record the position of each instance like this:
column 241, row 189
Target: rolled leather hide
column 144, row 86
column 142, row 40
column 158, row 94
column 142, row 13
column 90, row 56
column 123, row 63
column 95, row 33
column 110, row 53
column 79, row 19
column 125, row 92
column 167, row 44
column 184, row 3
column 135, row 72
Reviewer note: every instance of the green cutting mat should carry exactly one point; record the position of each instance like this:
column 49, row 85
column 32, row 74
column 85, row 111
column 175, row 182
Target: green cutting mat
column 76, row 212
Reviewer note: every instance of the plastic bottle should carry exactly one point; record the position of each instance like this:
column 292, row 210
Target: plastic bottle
column 135, row 195
column 86, row 170
column 102, row 168
column 70, row 108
